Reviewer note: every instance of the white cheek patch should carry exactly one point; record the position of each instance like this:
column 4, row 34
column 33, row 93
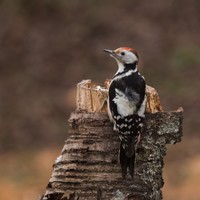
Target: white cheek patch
column 125, row 107
column 129, row 57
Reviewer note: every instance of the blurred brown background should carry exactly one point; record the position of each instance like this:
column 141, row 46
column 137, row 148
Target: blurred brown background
column 47, row 47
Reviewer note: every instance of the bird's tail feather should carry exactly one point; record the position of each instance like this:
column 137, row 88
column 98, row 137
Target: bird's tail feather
column 127, row 162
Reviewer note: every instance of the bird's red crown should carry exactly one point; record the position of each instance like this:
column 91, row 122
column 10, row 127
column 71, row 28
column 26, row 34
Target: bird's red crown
column 118, row 50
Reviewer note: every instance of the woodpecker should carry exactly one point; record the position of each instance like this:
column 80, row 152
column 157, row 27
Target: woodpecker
column 126, row 104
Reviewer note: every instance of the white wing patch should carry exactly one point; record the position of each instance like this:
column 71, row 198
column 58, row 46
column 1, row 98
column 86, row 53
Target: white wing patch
column 109, row 111
column 125, row 107
column 142, row 109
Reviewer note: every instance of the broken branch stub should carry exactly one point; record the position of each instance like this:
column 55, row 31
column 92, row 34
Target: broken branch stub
column 88, row 166
column 92, row 98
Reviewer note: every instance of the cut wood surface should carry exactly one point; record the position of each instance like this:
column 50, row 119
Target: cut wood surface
column 88, row 166
column 92, row 98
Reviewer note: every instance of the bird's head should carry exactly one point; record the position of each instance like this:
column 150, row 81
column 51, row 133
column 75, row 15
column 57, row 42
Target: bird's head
column 124, row 55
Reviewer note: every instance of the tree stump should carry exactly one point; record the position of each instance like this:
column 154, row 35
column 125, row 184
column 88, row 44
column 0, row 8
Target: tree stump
column 88, row 167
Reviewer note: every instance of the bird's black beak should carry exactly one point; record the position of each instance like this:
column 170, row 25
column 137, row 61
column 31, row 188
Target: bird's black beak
column 111, row 52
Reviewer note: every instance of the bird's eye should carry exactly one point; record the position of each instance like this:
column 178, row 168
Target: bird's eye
column 122, row 53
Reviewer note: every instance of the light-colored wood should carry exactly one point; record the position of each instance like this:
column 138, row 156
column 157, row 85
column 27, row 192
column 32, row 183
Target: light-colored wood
column 92, row 98
column 153, row 100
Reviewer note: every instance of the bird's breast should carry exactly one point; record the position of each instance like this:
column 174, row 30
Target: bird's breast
column 125, row 106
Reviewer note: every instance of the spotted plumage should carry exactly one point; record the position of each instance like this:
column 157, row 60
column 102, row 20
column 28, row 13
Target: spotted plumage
column 126, row 104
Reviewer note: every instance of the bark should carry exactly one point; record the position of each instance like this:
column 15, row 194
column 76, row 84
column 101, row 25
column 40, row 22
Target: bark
column 88, row 166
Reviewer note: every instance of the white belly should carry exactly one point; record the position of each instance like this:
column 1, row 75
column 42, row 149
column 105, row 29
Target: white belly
column 125, row 107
